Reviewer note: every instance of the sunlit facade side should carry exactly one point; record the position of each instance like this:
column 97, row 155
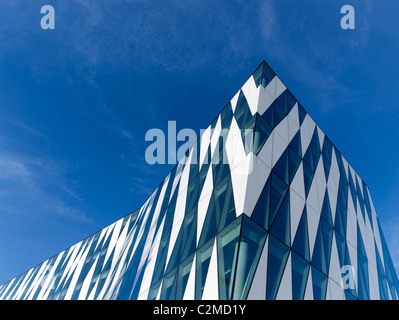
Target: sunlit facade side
column 263, row 207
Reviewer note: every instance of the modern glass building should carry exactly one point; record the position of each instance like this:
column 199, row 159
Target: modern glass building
column 264, row 206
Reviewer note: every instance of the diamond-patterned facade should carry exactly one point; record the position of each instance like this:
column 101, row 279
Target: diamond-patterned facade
column 283, row 218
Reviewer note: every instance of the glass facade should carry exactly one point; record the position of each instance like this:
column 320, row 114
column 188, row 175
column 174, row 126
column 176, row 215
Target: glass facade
column 271, row 210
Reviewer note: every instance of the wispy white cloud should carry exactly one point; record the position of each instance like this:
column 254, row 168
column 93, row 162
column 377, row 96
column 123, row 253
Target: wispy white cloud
column 35, row 186
column 23, row 178
column 301, row 40
column 24, row 127
column 13, row 169
column 176, row 36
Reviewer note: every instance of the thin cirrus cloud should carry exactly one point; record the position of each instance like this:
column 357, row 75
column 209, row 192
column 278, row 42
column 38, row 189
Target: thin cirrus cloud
column 30, row 179
column 179, row 36
column 30, row 186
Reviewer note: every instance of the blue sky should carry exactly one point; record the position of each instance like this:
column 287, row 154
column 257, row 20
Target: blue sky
column 76, row 102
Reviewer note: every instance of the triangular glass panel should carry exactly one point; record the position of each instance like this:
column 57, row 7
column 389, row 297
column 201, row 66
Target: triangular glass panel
column 341, row 218
column 192, row 195
column 168, row 290
column 176, row 253
column 242, row 112
column 268, row 115
column 286, row 101
column 393, row 290
column 291, row 101
column 308, row 159
column 362, row 278
column 382, row 281
column 360, row 199
column 193, row 187
column 327, row 241
column 277, row 193
column 340, row 163
column 308, row 175
column 349, row 296
column 247, row 135
column 279, row 114
column 294, row 162
column 300, row 271
column 296, row 145
column 360, row 245
column 226, row 116
column 367, row 203
column 152, row 295
column 319, row 256
column 161, row 258
column 220, row 172
column 281, row 226
column 301, row 240
column 209, row 228
column 204, row 169
column 302, row 114
column 182, row 277
column 281, row 101
column 251, row 243
column 213, row 124
column 258, row 75
column 129, row 292
column 165, row 202
column 261, row 134
column 203, row 258
column 341, row 248
column 227, row 251
column 326, row 209
column 319, row 284
column 276, row 261
column 220, row 167
column 224, row 203
column 315, row 144
column 281, row 168
column 189, row 233
column 342, row 192
column 261, row 212
column 326, row 155
column 380, row 267
column 263, row 75
column 353, row 191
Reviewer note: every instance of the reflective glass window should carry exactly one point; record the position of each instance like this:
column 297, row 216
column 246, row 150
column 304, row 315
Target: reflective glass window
column 251, row 244
column 276, row 261
column 227, row 250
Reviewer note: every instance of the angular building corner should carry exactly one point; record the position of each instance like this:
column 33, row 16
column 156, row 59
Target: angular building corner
column 263, row 207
